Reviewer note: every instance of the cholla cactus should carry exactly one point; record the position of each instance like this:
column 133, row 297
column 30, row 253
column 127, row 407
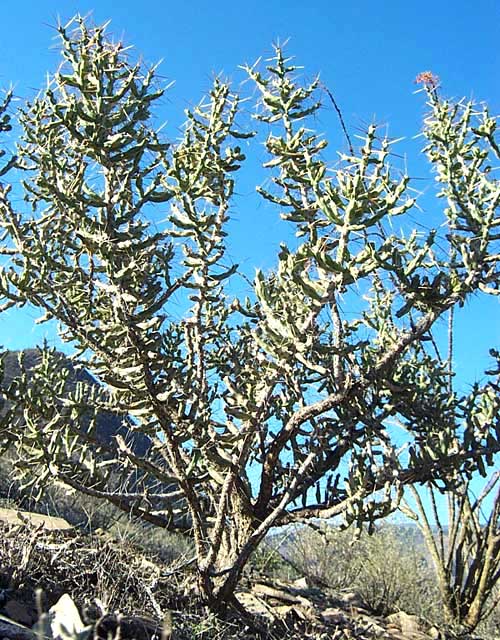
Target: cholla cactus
column 265, row 411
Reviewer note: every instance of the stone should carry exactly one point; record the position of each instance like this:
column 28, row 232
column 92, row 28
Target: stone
column 63, row 622
column 49, row 523
column 352, row 599
column 128, row 628
column 333, row 616
column 267, row 591
column 256, row 606
column 301, row 583
column 405, row 622
column 410, row 635
column 434, row 633
column 371, row 624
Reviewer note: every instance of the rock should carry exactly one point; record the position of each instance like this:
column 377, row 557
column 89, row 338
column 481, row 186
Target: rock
column 62, row 622
column 434, row 633
column 374, row 625
column 265, row 590
column 405, row 622
column 339, row 617
column 301, row 583
column 129, row 628
column 256, row 606
column 333, row 616
column 49, row 523
column 376, row 630
column 351, row 599
column 395, row 634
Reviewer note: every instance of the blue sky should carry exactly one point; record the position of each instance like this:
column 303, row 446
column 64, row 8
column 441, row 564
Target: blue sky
column 367, row 53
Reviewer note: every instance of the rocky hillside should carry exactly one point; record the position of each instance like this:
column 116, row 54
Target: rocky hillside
column 95, row 577
column 108, row 424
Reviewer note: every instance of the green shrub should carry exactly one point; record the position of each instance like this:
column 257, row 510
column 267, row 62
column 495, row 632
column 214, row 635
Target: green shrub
column 396, row 575
column 388, row 569
column 326, row 556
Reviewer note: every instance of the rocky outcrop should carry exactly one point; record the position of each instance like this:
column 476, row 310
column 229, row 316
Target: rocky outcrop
column 49, row 523
column 108, row 424
column 327, row 615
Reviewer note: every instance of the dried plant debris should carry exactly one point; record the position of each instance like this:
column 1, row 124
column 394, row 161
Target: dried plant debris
column 62, row 585
column 90, row 567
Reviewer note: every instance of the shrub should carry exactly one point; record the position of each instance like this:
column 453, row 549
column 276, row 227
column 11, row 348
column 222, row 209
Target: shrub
column 388, row 569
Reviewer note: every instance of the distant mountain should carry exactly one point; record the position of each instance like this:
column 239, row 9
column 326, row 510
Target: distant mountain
column 107, row 425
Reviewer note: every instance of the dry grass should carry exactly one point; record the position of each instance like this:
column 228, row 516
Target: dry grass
column 104, row 576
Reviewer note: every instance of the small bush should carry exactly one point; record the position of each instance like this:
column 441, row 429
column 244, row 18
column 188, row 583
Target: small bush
column 164, row 545
column 388, row 569
column 326, row 556
column 396, row 575
column 268, row 561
